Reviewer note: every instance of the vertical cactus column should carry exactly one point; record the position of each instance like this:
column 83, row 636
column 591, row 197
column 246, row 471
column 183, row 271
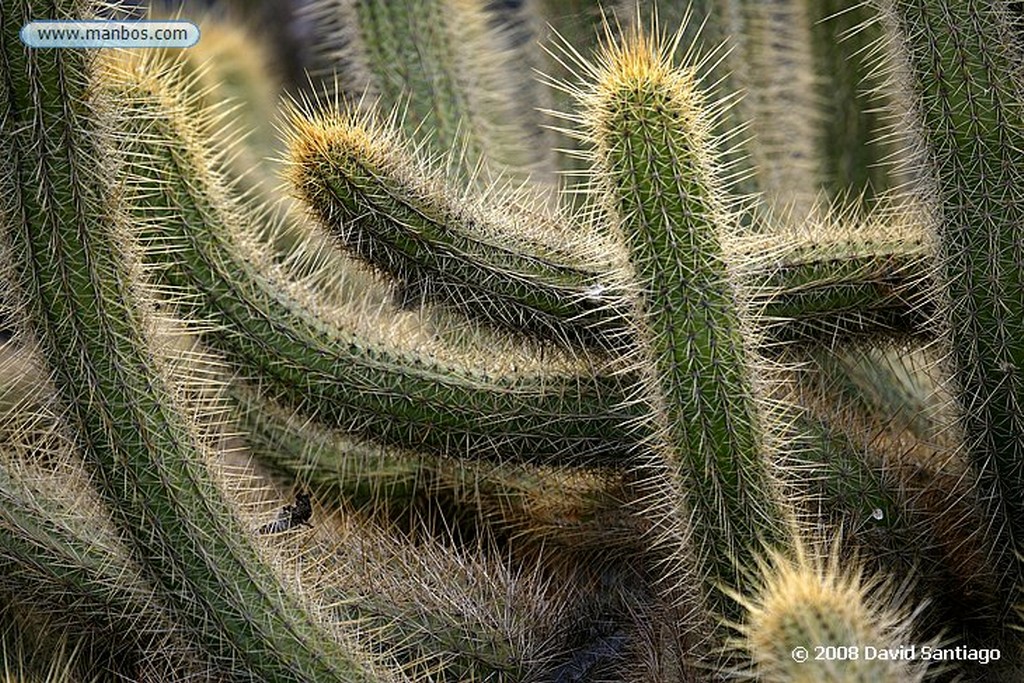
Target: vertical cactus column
column 963, row 62
column 448, row 70
column 772, row 64
column 75, row 269
column 706, row 29
column 655, row 165
column 857, row 157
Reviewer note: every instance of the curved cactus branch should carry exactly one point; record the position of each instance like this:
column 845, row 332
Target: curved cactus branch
column 526, row 270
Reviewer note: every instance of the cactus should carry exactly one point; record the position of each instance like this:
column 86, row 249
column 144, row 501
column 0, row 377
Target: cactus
column 654, row 162
column 60, row 552
column 385, row 209
column 803, row 605
column 206, row 241
column 228, row 68
column 775, row 53
column 966, row 111
column 413, row 415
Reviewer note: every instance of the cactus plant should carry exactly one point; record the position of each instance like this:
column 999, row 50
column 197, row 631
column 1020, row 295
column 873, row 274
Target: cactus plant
column 803, row 602
column 742, row 386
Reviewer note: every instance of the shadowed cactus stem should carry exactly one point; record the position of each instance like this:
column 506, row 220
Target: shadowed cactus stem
column 839, row 280
column 771, row 65
column 850, row 65
column 552, row 506
column 62, row 560
column 963, row 63
column 447, row 66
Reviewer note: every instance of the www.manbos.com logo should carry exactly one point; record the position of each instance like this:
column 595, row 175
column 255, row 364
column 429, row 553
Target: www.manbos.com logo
column 97, row 33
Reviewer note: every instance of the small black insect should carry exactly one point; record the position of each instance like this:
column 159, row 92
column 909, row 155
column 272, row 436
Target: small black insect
column 291, row 516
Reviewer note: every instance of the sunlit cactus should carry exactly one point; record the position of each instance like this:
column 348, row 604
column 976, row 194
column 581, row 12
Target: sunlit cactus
column 801, row 604
column 516, row 341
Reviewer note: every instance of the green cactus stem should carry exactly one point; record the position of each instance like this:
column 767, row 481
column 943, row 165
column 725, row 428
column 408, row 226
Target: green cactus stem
column 361, row 474
column 841, row 281
column 857, row 157
column 963, row 66
column 72, row 256
column 654, row 162
column 61, row 559
column 893, row 385
column 525, row 505
column 772, row 65
column 81, row 583
column 904, row 507
column 712, row 28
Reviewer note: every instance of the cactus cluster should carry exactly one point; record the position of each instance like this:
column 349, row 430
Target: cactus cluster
column 523, row 341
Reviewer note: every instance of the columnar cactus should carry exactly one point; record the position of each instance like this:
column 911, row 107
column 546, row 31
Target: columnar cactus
column 80, row 299
column 745, row 385
column 963, row 68
column 655, row 165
